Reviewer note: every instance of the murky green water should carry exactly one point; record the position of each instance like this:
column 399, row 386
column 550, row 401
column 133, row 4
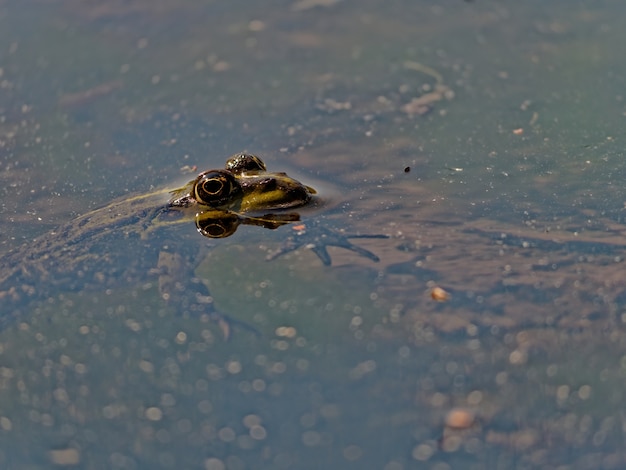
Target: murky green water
column 483, row 137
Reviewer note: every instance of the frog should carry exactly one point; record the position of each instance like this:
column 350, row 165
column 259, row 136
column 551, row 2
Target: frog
column 85, row 251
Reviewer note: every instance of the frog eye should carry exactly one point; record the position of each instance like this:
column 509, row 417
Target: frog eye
column 245, row 162
column 216, row 188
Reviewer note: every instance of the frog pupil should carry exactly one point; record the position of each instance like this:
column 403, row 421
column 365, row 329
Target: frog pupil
column 213, row 186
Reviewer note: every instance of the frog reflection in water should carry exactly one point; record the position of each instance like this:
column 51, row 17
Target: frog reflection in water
column 96, row 248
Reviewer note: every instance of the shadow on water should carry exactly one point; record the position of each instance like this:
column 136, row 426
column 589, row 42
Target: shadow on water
column 483, row 138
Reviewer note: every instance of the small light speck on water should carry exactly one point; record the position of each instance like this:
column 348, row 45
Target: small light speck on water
column 352, row 453
column 311, row 438
column 460, row 418
column 227, row 434
column 154, row 414
column 423, row 452
column 214, row 464
column 64, row 457
column 5, row 423
column 234, row 367
column 258, row 432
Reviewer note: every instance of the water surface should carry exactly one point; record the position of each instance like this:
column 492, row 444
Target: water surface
column 484, row 138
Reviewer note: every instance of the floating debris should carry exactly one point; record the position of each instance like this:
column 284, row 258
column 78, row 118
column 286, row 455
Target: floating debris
column 424, row 104
column 81, row 98
column 439, row 294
